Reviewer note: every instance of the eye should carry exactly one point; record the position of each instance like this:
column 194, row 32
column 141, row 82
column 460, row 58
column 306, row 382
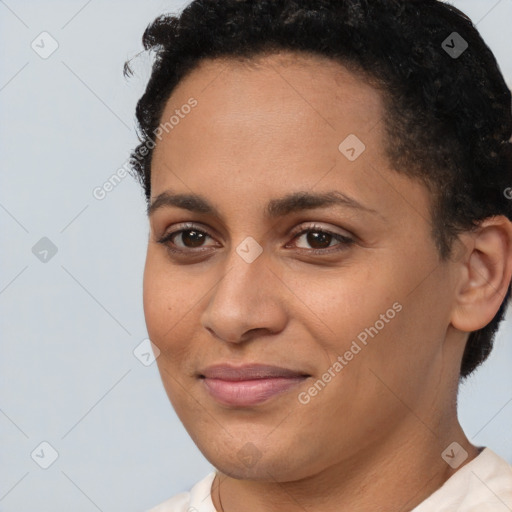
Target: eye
column 320, row 239
column 191, row 238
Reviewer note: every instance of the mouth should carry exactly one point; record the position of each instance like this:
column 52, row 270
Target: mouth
column 249, row 385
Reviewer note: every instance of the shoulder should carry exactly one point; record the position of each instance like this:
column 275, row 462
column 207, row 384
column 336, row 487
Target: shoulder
column 482, row 485
column 198, row 499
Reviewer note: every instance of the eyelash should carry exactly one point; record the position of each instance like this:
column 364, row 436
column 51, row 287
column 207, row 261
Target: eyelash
column 345, row 241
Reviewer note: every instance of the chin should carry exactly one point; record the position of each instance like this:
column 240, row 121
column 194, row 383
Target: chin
column 259, row 461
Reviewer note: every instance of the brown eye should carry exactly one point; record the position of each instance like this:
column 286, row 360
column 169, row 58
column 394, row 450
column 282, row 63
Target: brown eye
column 185, row 239
column 191, row 237
column 318, row 240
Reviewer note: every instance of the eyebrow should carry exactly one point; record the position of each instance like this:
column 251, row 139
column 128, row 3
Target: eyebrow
column 280, row 207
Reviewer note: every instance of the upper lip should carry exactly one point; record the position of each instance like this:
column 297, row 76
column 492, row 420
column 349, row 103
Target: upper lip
column 248, row 372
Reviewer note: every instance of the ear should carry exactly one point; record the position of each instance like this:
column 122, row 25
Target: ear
column 485, row 274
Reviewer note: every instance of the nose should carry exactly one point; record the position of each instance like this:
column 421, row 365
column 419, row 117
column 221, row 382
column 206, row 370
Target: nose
column 245, row 302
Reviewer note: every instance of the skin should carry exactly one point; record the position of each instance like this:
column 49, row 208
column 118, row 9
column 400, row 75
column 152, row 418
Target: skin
column 372, row 438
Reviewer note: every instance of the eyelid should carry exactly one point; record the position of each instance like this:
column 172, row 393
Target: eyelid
column 179, row 228
column 344, row 240
column 317, row 227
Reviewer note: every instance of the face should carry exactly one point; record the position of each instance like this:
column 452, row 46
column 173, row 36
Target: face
column 301, row 249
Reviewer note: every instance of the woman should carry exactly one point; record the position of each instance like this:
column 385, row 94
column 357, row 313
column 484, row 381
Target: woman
column 330, row 249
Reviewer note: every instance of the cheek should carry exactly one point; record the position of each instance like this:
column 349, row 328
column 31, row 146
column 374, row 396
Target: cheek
column 370, row 314
column 167, row 300
column 168, row 313
column 349, row 302
column 154, row 300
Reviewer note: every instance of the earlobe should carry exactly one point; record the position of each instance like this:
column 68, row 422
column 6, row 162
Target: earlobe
column 486, row 273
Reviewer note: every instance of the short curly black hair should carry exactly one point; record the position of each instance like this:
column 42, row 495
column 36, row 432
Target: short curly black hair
column 448, row 114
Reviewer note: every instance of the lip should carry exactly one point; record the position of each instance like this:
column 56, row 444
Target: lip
column 249, row 385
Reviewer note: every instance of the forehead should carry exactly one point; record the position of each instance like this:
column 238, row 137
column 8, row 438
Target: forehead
column 311, row 80
column 285, row 104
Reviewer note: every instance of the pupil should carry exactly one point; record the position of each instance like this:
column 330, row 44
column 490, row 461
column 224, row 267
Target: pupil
column 190, row 241
column 315, row 237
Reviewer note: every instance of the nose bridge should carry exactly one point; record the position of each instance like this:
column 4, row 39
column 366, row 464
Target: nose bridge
column 243, row 299
column 245, row 263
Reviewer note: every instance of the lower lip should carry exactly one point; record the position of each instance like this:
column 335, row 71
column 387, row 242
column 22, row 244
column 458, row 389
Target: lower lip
column 245, row 393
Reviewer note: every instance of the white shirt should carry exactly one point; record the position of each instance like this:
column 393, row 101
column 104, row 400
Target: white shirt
column 482, row 485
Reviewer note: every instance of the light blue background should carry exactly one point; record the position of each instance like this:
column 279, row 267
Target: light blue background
column 69, row 326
